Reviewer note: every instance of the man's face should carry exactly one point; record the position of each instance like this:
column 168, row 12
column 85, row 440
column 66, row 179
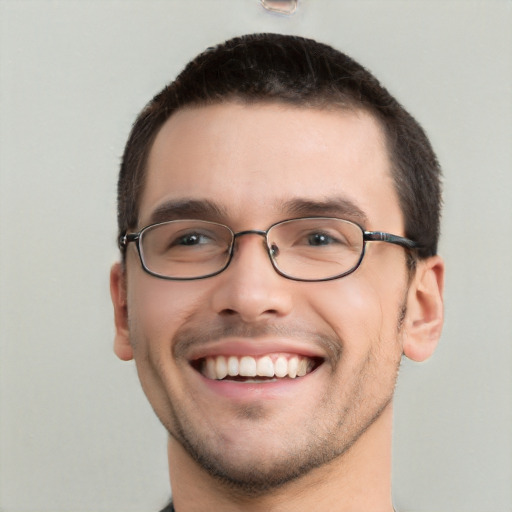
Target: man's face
column 249, row 167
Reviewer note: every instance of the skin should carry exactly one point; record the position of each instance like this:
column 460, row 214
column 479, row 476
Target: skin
column 323, row 441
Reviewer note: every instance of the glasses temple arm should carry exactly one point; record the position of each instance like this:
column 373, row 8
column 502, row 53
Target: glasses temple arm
column 380, row 236
column 126, row 238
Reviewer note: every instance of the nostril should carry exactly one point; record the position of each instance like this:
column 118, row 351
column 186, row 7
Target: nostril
column 228, row 312
column 232, row 312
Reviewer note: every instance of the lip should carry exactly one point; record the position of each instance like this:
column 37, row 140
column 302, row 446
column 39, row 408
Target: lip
column 250, row 392
column 245, row 392
column 255, row 348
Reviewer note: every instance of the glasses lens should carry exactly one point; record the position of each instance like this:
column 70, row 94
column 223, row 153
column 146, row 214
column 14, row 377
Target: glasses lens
column 185, row 249
column 316, row 248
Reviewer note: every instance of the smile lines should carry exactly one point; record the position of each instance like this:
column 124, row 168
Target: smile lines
column 269, row 366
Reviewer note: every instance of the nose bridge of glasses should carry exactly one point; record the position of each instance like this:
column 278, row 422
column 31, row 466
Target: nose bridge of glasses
column 257, row 232
column 251, row 232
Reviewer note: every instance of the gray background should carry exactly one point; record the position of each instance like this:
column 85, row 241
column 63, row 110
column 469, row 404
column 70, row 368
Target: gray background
column 76, row 433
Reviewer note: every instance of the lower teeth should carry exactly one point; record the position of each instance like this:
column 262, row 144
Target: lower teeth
column 250, row 379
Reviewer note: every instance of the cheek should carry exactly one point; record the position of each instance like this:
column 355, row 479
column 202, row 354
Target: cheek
column 352, row 309
column 361, row 310
column 157, row 308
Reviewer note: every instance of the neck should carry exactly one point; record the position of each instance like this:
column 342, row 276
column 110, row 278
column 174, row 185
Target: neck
column 357, row 481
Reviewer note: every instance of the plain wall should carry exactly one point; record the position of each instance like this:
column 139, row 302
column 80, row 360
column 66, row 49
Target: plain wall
column 76, row 433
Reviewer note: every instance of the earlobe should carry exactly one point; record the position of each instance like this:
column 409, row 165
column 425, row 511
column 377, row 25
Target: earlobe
column 425, row 312
column 122, row 346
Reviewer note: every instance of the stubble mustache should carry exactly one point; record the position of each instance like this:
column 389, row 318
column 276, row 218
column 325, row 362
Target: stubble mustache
column 197, row 334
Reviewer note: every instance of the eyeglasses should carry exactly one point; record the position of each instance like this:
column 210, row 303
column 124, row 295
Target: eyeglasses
column 305, row 249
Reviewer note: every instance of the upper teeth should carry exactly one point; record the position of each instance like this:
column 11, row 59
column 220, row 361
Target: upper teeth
column 219, row 367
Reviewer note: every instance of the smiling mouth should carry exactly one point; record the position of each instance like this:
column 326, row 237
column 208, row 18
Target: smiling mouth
column 250, row 369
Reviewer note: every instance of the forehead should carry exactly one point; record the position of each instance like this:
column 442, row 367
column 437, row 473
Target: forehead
column 252, row 160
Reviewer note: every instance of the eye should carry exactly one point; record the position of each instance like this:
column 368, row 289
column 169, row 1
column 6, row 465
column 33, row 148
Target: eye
column 190, row 239
column 321, row 239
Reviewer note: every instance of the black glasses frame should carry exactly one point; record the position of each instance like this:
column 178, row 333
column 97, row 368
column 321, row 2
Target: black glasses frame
column 368, row 236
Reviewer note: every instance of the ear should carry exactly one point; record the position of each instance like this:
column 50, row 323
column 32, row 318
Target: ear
column 122, row 346
column 424, row 319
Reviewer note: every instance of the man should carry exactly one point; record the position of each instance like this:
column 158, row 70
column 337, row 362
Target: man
column 278, row 222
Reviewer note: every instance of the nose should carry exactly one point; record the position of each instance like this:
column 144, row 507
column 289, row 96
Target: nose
column 250, row 287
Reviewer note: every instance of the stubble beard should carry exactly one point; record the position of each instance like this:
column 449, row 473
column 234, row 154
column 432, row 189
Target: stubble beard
column 314, row 449
column 257, row 479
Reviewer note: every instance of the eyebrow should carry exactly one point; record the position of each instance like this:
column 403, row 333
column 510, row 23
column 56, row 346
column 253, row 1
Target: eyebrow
column 187, row 209
column 204, row 209
column 330, row 207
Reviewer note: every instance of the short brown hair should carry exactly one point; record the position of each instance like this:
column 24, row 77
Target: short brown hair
column 302, row 72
